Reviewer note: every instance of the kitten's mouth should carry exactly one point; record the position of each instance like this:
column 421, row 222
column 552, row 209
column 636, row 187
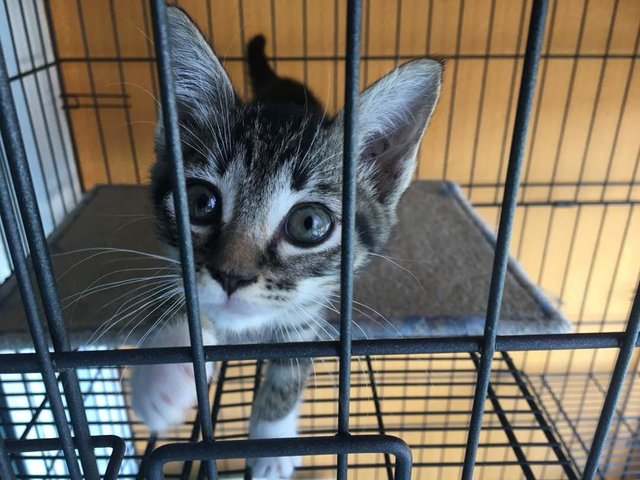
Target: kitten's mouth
column 237, row 315
column 235, row 306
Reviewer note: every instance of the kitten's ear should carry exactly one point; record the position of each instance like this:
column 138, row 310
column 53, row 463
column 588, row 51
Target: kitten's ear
column 201, row 82
column 392, row 117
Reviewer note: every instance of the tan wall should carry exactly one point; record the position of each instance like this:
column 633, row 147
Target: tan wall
column 478, row 85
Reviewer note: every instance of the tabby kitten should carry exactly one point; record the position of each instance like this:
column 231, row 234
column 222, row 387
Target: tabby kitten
column 264, row 182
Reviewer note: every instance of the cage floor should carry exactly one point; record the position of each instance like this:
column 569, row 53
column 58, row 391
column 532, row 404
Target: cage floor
column 426, row 400
column 573, row 404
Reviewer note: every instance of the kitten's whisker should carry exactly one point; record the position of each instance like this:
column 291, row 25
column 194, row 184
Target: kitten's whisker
column 330, row 307
column 408, row 260
column 125, row 225
column 168, row 299
column 361, row 329
column 288, row 333
column 313, row 364
column 295, row 327
column 284, row 333
column 337, row 311
column 132, row 311
column 92, row 289
column 146, row 299
column 140, row 87
column 157, row 286
column 114, row 272
column 119, row 297
column 175, row 311
column 142, row 32
column 162, row 317
column 377, row 322
column 371, row 318
column 115, row 250
column 131, row 303
column 388, row 259
column 322, row 321
column 334, row 338
column 316, row 322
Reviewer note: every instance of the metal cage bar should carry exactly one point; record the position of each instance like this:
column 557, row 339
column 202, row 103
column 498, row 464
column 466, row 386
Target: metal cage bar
column 354, row 13
column 342, row 444
column 28, row 362
column 159, row 22
column 19, row 169
column 615, row 387
column 110, row 441
column 501, row 256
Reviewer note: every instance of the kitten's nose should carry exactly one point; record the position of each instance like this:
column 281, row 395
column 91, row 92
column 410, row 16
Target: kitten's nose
column 232, row 281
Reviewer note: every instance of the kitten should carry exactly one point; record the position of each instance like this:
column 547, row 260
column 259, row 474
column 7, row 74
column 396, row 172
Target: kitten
column 264, row 183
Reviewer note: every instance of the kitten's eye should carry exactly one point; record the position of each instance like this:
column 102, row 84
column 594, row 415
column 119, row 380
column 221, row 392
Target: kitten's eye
column 204, row 203
column 308, row 224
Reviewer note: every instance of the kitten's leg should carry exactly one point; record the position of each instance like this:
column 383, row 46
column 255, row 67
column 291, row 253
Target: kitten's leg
column 161, row 395
column 275, row 413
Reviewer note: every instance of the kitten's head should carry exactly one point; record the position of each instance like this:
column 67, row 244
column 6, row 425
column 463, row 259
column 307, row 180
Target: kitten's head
column 265, row 183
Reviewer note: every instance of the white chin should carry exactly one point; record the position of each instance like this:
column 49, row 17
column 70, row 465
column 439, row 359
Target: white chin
column 238, row 317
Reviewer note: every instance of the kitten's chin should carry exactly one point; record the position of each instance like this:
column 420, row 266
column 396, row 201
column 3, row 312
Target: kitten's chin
column 238, row 316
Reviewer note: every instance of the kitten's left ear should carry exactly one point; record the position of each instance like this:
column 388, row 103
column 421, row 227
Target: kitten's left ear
column 392, row 117
column 201, row 82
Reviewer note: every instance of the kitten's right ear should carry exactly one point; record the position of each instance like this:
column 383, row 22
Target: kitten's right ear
column 200, row 81
column 393, row 115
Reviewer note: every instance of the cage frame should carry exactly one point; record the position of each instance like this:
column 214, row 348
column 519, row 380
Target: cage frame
column 64, row 361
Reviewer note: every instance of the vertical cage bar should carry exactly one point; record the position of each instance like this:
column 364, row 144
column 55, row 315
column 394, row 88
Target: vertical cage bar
column 63, row 89
column 19, row 169
column 379, row 415
column 5, row 463
column 14, row 244
column 454, row 90
column 512, row 89
column 615, row 387
column 354, row 11
column 159, row 21
column 501, row 257
column 540, row 418
column 62, row 138
column 123, row 90
column 514, row 443
column 625, row 407
column 93, row 92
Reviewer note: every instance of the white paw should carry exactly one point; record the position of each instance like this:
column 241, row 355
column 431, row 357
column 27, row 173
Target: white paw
column 161, row 395
column 272, row 468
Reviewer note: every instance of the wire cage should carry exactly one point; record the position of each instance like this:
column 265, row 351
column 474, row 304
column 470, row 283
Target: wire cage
column 537, row 123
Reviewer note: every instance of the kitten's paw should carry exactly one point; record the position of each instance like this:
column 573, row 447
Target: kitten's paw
column 273, row 468
column 161, row 395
